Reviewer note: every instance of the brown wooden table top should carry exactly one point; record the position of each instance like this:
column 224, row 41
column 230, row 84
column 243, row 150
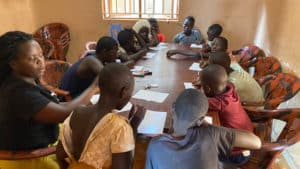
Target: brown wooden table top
column 169, row 74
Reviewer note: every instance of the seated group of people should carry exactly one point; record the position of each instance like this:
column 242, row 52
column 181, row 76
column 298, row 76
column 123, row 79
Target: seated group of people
column 96, row 136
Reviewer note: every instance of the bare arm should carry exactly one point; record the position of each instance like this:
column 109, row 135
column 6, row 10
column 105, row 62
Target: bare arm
column 122, row 160
column 55, row 113
column 154, row 40
column 134, row 57
column 184, row 52
column 247, row 140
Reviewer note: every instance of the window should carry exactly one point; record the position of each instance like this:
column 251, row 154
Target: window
column 136, row 9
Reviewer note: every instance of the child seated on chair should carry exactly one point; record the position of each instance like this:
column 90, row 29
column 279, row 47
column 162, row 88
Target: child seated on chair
column 213, row 31
column 195, row 144
column 245, row 85
column 127, row 48
column 189, row 35
column 98, row 136
column 143, row 29
column 219, row 44
column 83, row 72
column 155, row 30
column 224, row 100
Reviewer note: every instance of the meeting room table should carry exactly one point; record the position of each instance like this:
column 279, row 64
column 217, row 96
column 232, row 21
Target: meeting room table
column 168, row 76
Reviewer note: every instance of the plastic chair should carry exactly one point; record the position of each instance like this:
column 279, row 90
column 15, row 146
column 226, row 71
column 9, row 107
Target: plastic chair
column 59, row 35
column 277, row 89
column 22, row 155
column 47, row 47
column 52, row 76
column 114, row 30
column 265, row 157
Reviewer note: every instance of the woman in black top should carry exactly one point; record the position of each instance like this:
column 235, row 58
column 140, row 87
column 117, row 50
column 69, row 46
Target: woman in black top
column 29, row 113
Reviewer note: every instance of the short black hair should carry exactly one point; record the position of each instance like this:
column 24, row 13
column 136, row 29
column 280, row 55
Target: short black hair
column 223, row 40
column 211, row 74
column 191, row 104
column 9, row 50
column 152, row 21
column 124, row 37
column 113, row 77
column 190, row 18
column 216, row 29
column 105, row 43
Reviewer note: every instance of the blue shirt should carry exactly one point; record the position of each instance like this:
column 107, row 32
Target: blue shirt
column 74, row 84
column 195, row 37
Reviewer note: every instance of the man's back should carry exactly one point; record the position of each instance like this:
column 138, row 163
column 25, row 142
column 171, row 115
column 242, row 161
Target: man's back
column 199, row 149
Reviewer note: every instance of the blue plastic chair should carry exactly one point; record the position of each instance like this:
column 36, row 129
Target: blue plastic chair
column 114, row 30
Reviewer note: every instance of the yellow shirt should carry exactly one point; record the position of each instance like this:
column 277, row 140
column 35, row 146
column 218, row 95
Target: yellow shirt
column 112, row 134
column 246, row 86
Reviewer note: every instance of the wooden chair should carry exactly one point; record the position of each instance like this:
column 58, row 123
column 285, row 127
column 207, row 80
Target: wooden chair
column 265, row 157
column 47, row 47
column 266, row 66
column 54, row 72
column 22, row 155
column 59, row 35
column 277, row 89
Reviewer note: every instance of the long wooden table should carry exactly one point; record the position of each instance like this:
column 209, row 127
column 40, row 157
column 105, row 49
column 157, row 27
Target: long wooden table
column 169, row 74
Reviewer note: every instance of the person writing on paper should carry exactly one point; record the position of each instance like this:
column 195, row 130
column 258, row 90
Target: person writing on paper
column 97, row 136
column 219, row 44
column 143, row 29
column 29, row 112
column 195, row 143
column 224, row 100
column 246, row 86
column 155, row 29
column 128, row 52
column 189, row 35
column 82, row 73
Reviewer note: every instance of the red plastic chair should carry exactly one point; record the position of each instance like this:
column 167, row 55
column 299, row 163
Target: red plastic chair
column 59, row 35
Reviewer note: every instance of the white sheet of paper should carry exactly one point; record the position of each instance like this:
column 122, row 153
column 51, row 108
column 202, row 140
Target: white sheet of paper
column 149, row 55
column 127, row 107
column 151, row 96
column 95, row 98
column 153, row 122
column 196, row 46
column 137, row 68
column 188, row 85
column 195, row 67
column 208, row 119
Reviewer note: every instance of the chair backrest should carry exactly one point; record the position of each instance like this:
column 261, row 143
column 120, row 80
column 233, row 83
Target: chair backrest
column 114, row 30
column 249, row 53
column 47, row 47
column 280, row 88
column 59, row 35
column 54, row 72
column 290, row 134
column 266, row 66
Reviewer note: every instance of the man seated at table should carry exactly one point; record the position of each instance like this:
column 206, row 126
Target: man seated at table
column 245, row 85
column 128, row 51
column 195, row 143
column 219, row 44
column 224, row 100
column 189, row 35
column 82, row 73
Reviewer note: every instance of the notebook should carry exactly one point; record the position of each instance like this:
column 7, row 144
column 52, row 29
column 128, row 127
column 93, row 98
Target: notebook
column 153, row 123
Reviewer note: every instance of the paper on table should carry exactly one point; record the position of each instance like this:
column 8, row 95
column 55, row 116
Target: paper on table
column 151, row 96
column 153, row 122
column 95, row 98
column 195, row 67
column 188, row 85
column 137, row 68
column 208, row 119
column 196, row 46
column 149, row 56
